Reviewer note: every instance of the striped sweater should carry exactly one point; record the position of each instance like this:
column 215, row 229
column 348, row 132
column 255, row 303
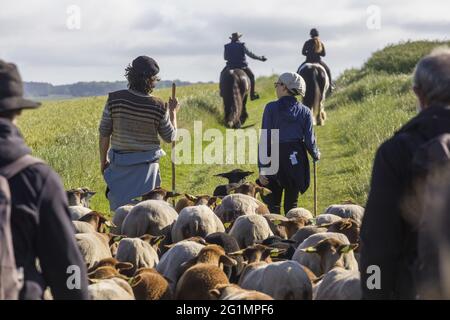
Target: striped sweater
column 134, row 120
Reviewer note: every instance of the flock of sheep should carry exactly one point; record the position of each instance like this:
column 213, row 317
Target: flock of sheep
column 211, row 247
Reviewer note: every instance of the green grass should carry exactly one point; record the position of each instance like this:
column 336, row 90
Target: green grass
column 369, row 105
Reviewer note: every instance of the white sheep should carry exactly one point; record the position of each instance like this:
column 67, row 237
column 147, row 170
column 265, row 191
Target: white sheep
column 140, row 252
column 299, row 213
column 119, row 216
column 237, row 204
column 170, row 262
column 93, row 247
column 353, row 211
column 111, row 289
column 250, row 228
column 196, row 221
column 234, row 292
column 83, row 227
column 313, row 260
column 326, row 218
column 76, row 212
column 153, row 217
column 282, row 280
column 340, row 284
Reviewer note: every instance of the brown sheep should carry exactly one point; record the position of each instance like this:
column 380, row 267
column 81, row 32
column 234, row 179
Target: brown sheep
column 159, row 194
column 203, row 273
column 79, row 197
column 148, row 284
column 97, row 220
column 348, row 227
column 285, row 227
column 190, row 200
column 250, row 189
column 234, row 292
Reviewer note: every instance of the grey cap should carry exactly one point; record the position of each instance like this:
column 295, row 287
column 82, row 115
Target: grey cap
column 294, row 82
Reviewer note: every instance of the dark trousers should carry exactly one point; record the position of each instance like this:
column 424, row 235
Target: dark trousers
column 251, row 76
column 273, row 200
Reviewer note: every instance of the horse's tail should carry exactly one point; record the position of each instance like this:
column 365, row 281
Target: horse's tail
column 232, row 98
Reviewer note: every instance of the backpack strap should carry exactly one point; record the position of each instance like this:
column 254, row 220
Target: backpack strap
column 20, row 164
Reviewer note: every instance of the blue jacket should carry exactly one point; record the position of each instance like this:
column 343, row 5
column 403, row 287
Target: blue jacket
column 235, row 55
column 294, row 121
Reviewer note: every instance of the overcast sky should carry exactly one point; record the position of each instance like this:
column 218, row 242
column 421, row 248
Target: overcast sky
column 186, row 37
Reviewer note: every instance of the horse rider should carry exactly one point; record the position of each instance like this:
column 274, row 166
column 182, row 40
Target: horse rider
column 235, row 55
column 314, row 50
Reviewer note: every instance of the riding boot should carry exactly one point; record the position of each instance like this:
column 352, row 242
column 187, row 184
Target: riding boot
column 251, row 76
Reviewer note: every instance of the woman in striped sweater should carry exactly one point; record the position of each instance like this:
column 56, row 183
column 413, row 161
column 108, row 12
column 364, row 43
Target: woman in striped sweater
column 131, row 124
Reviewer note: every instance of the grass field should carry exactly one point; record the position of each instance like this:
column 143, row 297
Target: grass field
column 368, row 106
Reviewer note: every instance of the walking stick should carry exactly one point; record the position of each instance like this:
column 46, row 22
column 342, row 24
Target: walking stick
column 174, row 89
column 315, row 189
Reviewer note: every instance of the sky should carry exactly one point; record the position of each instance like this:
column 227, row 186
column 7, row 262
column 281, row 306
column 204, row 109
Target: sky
column 65, row 41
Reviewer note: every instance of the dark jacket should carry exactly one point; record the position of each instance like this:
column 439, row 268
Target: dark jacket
column 388, row 238
column 235, row 54
column 40, row 224
column 311, row 55
column 296, row 138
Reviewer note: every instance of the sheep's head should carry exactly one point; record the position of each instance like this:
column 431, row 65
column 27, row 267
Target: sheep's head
column 331, row 253
column 234, row 176
column 98, row 221
column 250, row 189
column 79, row 197
column 293, row 225
column 108, row 268
column 348, row 227
column 258, row 253
column 159, row 194
column 154, row 241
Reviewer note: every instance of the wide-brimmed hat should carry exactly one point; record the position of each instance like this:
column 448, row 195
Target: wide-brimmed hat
column 11, row 89
column 145, row 65
column 294, row 82
column 235, row 35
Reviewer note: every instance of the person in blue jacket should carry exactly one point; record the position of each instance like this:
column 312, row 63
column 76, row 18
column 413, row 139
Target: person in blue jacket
column 235, row 55
column 293, row 120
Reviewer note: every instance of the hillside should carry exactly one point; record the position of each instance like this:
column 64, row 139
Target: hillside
column 368, row 106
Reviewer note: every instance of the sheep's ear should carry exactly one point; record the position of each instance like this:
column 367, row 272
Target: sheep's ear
column 191, row 197
column 215, row 293
column 227, row 261
column 237, row 253
column 346, row 225
column 155, row 241
column 275, row 252
column 278, row 222
column 346, row 248
column 116, row 237
column 110, row 224
column 171, row 194
column 124, row 266
column 309, row 250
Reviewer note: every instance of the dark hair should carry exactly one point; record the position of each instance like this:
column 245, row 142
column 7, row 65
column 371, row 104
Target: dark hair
column 140, row 82
column 10, row 114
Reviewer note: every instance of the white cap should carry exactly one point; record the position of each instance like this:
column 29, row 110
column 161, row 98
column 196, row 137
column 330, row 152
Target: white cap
column 294, row 82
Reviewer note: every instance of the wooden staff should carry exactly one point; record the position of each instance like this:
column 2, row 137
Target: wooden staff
column 174, row 89
column 315, row 189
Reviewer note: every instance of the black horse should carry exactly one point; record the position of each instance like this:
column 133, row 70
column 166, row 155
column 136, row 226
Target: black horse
column 234, row 89
column 317, row 84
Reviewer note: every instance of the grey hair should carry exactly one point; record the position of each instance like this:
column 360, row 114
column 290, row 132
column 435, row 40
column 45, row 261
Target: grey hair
column 432, row 77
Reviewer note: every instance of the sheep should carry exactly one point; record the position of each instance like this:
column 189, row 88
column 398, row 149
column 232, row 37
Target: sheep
column 282, row 280
column 195, row 221
column 286, row 245
column 141, row 252
column 110, row 262
column 159, row 194
column 234, row 292
column 353, row 211
column 83, row 227
column 299, row 213
column 234, row 177
column 229, row 244
column 76, row 212
column 250, row 189
column 338, row 283
column 250, row 228
column 285, row 227
column 79, row 197
column 148, row 284
column 326, row 218
column 119, row 216
column 235, row 205
column 95, row 246
column 169, row 264
column 313, row 260
column 97, row 220
column 111, row 289
column 349, row 227
column 305, row 232
column 203, row 273
column 190, row 201
column 153, row 217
